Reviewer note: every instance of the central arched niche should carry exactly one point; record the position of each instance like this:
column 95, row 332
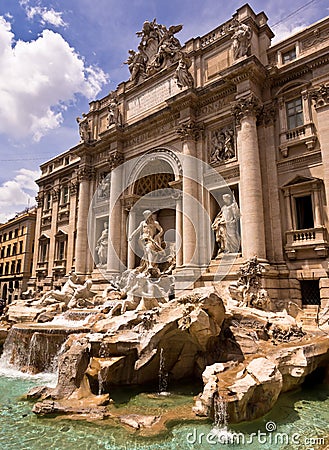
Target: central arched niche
column 152, row 190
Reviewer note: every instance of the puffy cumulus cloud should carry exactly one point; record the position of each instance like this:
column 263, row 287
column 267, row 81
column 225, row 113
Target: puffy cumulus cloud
column 38, row 79
column 46, row 16
column 17, row 194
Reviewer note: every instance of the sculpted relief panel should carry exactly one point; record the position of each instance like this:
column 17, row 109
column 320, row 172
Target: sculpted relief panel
column 222, row 145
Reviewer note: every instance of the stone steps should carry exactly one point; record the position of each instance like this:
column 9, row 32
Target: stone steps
column 308, row 316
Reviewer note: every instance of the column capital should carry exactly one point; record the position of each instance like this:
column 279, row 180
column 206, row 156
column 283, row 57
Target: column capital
column 267, row 115
column 115, row 159
column 247, row 106
column 55, row 194
column 74, row 187
column 190, row 130
column 39, row 199
column 85, row 173
column 320, row 96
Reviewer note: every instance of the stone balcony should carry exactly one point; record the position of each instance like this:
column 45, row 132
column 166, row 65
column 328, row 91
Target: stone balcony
column 59, row 266
column 308, row 243
column 42, row 268
column 305, row 134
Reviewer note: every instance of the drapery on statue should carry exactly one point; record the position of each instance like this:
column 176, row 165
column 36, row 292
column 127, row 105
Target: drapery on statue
column 182, row 75
column 102, row 246
column 114, row 115
column 136, row 65
column 150, row 239
column 84, row 128
column 241, row 40
column 226, row 226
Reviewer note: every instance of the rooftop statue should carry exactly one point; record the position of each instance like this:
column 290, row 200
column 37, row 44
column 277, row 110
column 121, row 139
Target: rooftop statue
column 241, row 40
column 158, row 49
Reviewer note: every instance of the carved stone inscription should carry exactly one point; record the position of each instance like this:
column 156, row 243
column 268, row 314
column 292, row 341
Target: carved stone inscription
column 151, row 97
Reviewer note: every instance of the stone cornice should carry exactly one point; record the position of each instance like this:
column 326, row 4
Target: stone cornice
column 247, row 106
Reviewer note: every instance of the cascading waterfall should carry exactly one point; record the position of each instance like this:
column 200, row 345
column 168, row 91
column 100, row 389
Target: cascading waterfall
column 100, row 383
column 220, row 429
column 163, row 375
column 220, row 411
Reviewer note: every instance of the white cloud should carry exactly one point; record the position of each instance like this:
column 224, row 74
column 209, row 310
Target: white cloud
column 283, row 31
column 46, row 16
column 18, row 194
column 38, row 79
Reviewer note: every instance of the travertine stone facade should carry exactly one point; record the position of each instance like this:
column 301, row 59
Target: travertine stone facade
column 257, row 114
column 16, row 254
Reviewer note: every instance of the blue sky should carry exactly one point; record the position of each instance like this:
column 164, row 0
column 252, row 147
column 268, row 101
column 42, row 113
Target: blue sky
column 56, row 56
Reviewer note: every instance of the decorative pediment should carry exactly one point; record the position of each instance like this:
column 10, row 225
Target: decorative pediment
column 300, row 179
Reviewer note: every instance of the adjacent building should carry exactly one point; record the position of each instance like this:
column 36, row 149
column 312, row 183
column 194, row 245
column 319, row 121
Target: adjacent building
column 254, row 113
column 16, row 254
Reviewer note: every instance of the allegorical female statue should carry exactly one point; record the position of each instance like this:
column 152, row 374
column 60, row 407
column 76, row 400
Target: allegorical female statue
column 226, row 226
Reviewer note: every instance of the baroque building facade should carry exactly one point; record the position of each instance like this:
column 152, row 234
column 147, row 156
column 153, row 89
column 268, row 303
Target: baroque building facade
column 255, row 116
column 16, row 254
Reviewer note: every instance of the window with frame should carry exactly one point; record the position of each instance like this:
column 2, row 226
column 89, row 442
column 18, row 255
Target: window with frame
column 21, row 247
column 1, row 269
column 43, row 250
column 64, row 195
column 18, row 266
column 304, row 212
column 8, row 250
column 10, row 235
column 7, row 268
column 294, row 109
column 16, row 232
column 13, row 267
column 3, row 252
column 61, row 248
column 15, row 249
column 47, row 204
column 289, row 55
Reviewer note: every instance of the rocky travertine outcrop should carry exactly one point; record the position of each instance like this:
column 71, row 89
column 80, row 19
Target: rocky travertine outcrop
column 72, row 392
column 272, row 354
column 246, row 356
column 129, row 348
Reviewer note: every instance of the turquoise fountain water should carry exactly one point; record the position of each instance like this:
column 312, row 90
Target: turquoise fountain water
column 298, row 421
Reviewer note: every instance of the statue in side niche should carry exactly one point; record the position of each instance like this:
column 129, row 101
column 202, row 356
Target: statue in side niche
column 102, row 246
column 226, row 226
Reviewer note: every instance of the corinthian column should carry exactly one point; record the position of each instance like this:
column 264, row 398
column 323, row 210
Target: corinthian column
column 114, row 264
column 189, row 133
column 82, row 248
column 251, row 197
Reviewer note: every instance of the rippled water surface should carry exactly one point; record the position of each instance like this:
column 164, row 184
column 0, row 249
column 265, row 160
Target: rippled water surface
column 300, row 420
